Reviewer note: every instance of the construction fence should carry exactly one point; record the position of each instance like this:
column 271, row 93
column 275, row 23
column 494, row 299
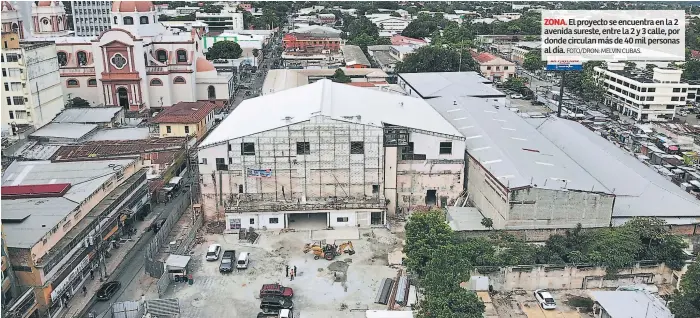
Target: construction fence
column 153, row 266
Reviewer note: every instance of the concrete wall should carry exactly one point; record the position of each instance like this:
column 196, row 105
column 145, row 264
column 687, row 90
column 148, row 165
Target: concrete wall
column 336, row 219
column 573, row 277
column 536, row 208
column 255, row 220
column 487, row 194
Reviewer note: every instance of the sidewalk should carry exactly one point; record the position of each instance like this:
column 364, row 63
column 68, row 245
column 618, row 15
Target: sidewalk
column 80, row 301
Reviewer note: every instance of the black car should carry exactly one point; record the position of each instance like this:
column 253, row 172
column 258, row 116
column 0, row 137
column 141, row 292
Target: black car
column 108, row 290
column 276, row 302
column 226, row 265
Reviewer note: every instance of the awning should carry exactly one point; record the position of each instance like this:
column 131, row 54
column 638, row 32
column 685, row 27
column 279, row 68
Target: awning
column 111, row 232
column 177, row 261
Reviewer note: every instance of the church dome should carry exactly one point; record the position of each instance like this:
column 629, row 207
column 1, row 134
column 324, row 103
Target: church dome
column 132, row 6
column 203, row 65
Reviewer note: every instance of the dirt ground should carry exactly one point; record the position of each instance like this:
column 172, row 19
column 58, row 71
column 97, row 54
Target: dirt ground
column 522, row 304
column 342, row 288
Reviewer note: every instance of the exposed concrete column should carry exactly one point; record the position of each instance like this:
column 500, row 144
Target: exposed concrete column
column 390, row 163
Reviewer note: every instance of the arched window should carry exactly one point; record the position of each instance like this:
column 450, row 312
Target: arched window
column 181, row 56
column 211, row 92
column 116, row 21
column 72, row 83
column 82, row 58
column 157, row 82
column 92, row 82
column 128, row 21
column 162, row 56
column 62, row 58
column 179, row 80
column 15, row 27
column 45, row 21
column 143, row 20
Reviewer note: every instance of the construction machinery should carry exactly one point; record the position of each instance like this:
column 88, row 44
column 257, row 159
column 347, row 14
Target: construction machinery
column 346, row 248
column 321, row 250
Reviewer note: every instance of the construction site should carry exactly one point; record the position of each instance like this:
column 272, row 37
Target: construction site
column 345, row 284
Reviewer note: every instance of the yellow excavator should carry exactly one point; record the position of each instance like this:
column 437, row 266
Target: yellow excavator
column 320, row 249
column 346, row 248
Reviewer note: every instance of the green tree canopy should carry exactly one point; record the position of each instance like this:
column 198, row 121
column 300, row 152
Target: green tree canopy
column 424, row 26
column 436, row 59
column 76, row 102
column 533, row 61
column 224, row 50
column 211, row 8
column 686, row 301
column 425, row 232
column 340, row 77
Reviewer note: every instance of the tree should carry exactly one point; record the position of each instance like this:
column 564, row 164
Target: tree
column 425, row 233
column 686, row 301
column 256, row 52
column 224, row 50
column 614, row 248
column 630, row 65
column 691, row 70
column 487, row 223
column 395, row 14
column 340, row 77
column 533, row 61
column 77, row 102
column 211, row 8
column 424, row 26
column 436, row 59
column 650, row 67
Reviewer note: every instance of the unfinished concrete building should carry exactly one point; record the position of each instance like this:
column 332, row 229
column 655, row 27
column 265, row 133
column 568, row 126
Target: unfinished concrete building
column 328, row 155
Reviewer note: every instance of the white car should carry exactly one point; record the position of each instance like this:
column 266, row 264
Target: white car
column 516, row 96
column 213, row 252
column 545, row 299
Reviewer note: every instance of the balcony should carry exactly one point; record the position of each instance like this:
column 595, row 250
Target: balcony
column 77, row 71
column 24, row 306
column 169, row 68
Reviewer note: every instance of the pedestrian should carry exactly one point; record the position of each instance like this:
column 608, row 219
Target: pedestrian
column 286, row 272
column 84, row 291
column 295, row 270
column 92, row 274
column 292, row 275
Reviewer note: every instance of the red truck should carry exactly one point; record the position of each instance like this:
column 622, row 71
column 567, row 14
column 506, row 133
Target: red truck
column 276, row 290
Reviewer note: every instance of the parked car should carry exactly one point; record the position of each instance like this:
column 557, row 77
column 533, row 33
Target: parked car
column 108, row 290
column 276, row 290
column 284, row 313
column 545, row 299
column 227, row 258
column 213, row 252
column 276, row 303
column 516, row 96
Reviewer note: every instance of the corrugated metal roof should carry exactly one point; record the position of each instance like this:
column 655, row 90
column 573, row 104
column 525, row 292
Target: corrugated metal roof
column 64, row 130
column 185, row 113
column 354, row 55
column 89, row 115
column 334, row 100
column 625, row 304
column 34, row 191
column 448, row 84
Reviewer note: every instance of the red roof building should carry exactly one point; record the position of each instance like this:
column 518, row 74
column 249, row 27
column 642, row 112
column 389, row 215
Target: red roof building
column 493, row 67
column 398, row 39
column 186, row 119
column 310, row 43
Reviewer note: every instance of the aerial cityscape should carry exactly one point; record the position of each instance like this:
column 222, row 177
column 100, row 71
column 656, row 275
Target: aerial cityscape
column 350, row 159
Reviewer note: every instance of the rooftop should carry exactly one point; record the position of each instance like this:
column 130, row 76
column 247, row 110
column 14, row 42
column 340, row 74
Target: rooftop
column 624, row 304
column 318, row 30
column 26, row 221
column 115, row 148
column 64, row 130
column 87, row 115
column 354, row 55
column 131, row 133
column 639, row 190
column 333, row 100
column 185, row 113
column 384, row 58
column 450, row 84
column 514, row 152
column 282, row 79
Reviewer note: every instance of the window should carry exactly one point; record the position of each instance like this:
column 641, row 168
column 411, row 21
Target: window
column 116, row 21
column 488, row 68
column 674, row 99
column 342, row 219
column 650, row 98
column 248, row 149
column 230, row 160
column 375, row 188
column 505, row 68
column 92, row 82
column 187, row 129
column 303, row 148
column 4, row 72
column 677, row 90
column 240, row 188
column 7, row 87
column 128, row 21
column 446, row 148
column 221, row 164
column 498, row 68
column 684, row 90
column 670, row 106
column 179, row 80
column 204, row 161
column 62, row 58
column 143, row 20
column 162, row 56
column 12, row 114
column 229, row 147
column 156, row 82
column 118, row 60
column 9, row 100
column 17, row 100
column 211, row 92
column 181, row 56
column 357, row 147
column 82, row 58
column 652, row 89
column 168, row 129
column 682, row 99
column 72, row 83
column 274, row 221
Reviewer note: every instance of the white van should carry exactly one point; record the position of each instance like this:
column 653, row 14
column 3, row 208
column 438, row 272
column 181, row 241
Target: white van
column 243, row 260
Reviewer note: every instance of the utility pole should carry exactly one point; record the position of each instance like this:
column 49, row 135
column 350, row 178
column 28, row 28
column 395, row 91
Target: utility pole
column 561, row 93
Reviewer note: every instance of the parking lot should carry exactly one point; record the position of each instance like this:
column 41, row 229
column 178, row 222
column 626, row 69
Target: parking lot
column 522, row 304
column 342, row 288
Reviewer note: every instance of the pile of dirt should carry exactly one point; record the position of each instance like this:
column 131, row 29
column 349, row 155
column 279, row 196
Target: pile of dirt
column 215, row 227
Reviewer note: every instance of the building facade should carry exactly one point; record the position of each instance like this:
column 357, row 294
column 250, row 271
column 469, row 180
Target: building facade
column 17, row 301
column 226, row 20
column 333, row 167
column 49, row 19
column 90, row 18
column 641, row 95
column 310, row 43
column 185, row 119
column 60, row 219
column 12, row 20
column 493, row 67
column 32, row 91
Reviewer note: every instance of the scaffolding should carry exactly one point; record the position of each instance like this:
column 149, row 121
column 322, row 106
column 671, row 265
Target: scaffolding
column 321, row 164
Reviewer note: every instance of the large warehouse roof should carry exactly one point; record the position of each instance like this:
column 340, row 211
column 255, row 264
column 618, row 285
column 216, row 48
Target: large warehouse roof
column 514, row 152
column 334, row 100
column 448, row 84
column 639, row 190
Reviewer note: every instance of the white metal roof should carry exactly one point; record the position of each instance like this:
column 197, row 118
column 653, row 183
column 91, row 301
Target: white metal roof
column 334, row 100
column 87, row 115
column 639, row 190
column 353, row 54
column 64, row 130
column 448, row 84
column 624, row 304
column 514, row 152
